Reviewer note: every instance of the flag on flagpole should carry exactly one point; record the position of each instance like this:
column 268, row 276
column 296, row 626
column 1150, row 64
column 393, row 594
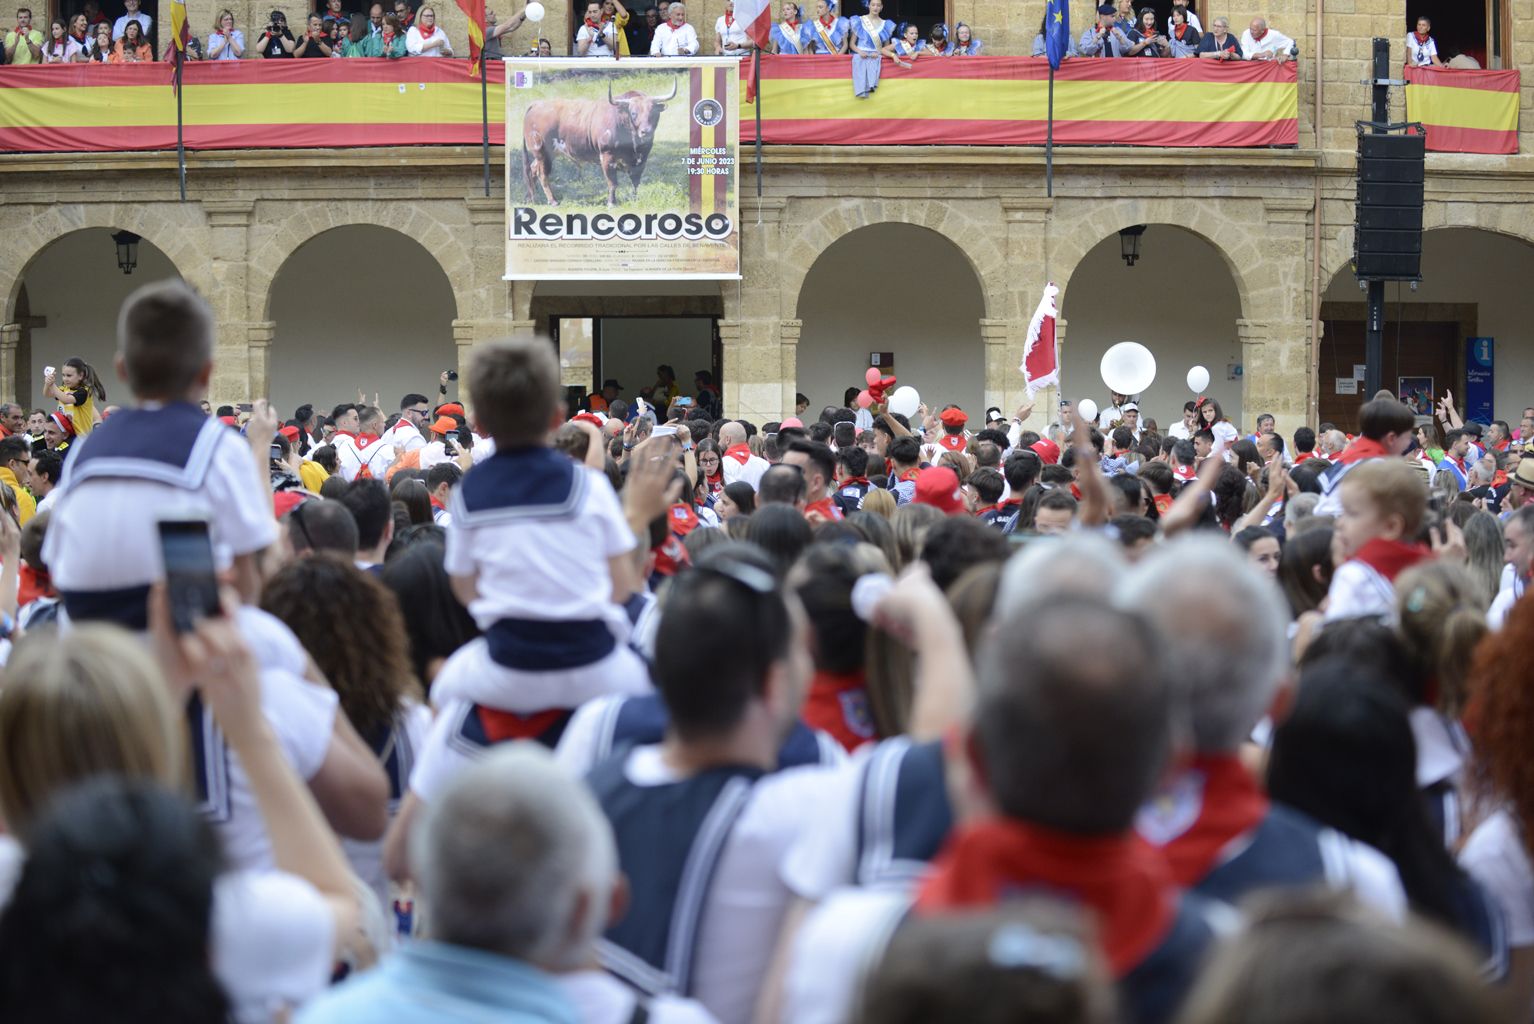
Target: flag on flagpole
column 178, row 24
column 1057, row 32
column 475, row 11
column 1041, row 366
column 756, row 17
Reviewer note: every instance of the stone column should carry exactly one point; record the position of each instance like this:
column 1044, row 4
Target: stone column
column 1028, row 225
column 240, row 373
column 258, row 341
column 759, row 367
column 10, row 340
column 1276, row 366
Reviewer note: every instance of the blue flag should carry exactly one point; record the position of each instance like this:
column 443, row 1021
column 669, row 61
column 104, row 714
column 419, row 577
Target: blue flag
column 1057, row 31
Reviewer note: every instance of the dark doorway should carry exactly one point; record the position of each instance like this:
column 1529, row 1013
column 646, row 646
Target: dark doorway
column 1423, row 350
column 630, row 348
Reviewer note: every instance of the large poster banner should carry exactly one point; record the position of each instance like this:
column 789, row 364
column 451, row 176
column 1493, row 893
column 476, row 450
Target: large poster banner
column 622, row 169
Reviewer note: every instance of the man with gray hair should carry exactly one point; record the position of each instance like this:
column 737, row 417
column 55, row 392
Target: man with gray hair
column 516, row 869
column 1229, row 664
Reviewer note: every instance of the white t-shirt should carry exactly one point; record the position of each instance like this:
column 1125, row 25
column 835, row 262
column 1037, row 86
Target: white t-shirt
column 1180, row 431
column 271, row 936
column 543, row 568
column 1420, row 54
column 747, row 898
column 834, row 949
column 350, row 458
column 601, row 40
column 600, row 998
column 1273, row 41
column 670, row 42
column 413, row 43
column 103, row 533
column 404, row 436
column 1508, row 593
column 750, row 473
column 732, row 33
column 1495, row 857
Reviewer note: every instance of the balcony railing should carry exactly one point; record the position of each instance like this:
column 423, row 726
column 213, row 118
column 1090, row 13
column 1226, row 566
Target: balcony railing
column 983, row 101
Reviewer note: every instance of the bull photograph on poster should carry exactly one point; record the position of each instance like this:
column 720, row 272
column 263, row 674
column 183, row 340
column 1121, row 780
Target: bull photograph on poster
column 622, row 169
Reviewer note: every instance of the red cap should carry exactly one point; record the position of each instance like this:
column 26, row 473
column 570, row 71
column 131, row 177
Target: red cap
column 450, row 409
column 953, row 418
column 284, row 502
column 290, row 432
column 587, row 417
column 938, row 486
column 1047, row 450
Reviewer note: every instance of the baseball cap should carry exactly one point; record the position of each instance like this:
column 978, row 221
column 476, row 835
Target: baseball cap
column 992, row 414
column 938, row 486
column 444, row 425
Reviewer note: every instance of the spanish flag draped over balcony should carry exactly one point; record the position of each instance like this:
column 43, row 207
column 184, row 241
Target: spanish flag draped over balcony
column 475, row 11
column 1464, row 111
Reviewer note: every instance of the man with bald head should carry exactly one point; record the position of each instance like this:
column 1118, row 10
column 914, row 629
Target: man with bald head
column 1259, row 42
column 738, row 462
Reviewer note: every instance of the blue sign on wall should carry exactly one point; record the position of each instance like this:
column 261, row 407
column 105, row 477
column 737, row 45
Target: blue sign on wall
column 1480, row 378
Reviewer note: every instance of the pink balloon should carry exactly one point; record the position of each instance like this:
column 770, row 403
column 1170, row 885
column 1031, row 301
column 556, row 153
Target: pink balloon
column 865, row 399
column 872, row 376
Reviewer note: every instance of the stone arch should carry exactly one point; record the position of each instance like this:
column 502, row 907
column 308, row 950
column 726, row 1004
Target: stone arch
column 1509, row 222
column 1233, row 244
column 1182, row 328
column 358, row 306
column 939, row 346
column 974, row 228
column 273, row 243
column 178, row 231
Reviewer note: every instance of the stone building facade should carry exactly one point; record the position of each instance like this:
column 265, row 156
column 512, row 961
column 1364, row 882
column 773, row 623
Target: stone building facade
column 250, row 211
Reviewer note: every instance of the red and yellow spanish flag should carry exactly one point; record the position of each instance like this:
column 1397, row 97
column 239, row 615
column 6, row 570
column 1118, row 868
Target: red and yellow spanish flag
column 710, row 166
column 475, row 10
column 1464, row 111
column 1004, row 101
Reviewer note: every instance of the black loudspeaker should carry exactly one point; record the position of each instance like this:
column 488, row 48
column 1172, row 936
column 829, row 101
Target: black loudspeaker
column 1387, row 226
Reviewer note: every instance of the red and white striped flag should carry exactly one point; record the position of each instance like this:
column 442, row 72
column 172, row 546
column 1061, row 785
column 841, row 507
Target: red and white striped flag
column 1041, row 361
column 756, row 17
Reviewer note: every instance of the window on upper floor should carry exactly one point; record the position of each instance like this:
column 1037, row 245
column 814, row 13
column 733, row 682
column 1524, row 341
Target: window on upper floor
column 1479, row 29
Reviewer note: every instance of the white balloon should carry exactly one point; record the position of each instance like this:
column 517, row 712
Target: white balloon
column 1128, row 368
column 535, row 11
column 1087, row 409
column 1198, row 379
column 905, row 401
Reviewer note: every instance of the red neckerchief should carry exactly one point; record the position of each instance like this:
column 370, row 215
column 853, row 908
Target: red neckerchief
column 837, row 704
column 1075, row 491
column 792, row 24
column 982, row 510
column 729, row 19
column 1010, row 503
column 595, row 25
column 741, row 453
column 32, row 585
column 671, row 556
column 1361, row 450
column 954, row 442
column 715, row 480
column 437, row 504
column 851, row 480
column 1499, row 478
column 1180, row 30
column 363, row 440
column 506, row 725
column 1422, row 39
column 1504, row 445
column 1459, row 463
column 909, row 474
column 1258, row 39
column 1120, row 878
column 828, row 20
column 426, row 33
column 345, row 433
column 1163, row 503
column 79, row 39
column 826, row 507
column 1302, row 456
column 1390, row 558
column 1230, row 804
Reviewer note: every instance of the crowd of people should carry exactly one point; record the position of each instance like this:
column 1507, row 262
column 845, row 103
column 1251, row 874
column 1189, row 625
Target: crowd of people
column 500, row 709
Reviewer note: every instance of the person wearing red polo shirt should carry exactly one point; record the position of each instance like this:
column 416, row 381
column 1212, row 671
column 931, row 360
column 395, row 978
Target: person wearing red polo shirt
column 815, row 460
column 955, row 438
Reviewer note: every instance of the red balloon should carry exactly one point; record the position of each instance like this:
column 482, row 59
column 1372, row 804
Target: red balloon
column 865, row 399
column 872, row 376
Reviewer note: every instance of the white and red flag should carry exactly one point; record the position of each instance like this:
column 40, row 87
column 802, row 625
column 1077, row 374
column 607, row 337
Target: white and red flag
column 1041, row 360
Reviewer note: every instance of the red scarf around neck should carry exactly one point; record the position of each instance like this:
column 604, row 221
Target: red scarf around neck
column 849, row 481
column 1390, row 558
column 426, row 33
column 826, row 507
column 1362, row 450
column 909, row 474
column 837, row 704
column 1230, row 804
column 1121, row 879
column 1180, row 30
column 1422, row 39
column 593, row 25
column 741, row 453
column 828, row 20
column 793, row 25
column 729, row 19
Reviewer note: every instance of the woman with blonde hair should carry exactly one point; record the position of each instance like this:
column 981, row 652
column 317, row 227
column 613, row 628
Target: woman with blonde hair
column 97, row 706
column 425, row 38
column 226, row 42
column 881, row 503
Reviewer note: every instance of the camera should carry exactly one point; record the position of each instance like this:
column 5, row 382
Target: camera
column 452, row 375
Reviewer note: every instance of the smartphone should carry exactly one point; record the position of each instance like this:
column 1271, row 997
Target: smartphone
column 191, row 586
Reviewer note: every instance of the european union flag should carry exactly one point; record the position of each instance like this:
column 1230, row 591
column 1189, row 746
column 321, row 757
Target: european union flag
column 1057, row 31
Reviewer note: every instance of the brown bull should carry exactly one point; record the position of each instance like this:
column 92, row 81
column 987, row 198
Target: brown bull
column 618, row 133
